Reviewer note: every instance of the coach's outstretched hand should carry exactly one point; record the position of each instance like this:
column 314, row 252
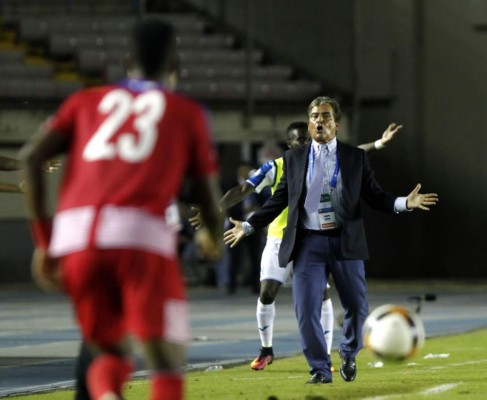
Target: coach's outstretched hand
column 234, row 235
column 421, row 201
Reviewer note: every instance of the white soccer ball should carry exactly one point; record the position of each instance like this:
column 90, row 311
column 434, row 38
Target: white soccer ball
column 393, row 332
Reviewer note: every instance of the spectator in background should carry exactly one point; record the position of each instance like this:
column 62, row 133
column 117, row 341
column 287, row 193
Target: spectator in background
column 129, row 147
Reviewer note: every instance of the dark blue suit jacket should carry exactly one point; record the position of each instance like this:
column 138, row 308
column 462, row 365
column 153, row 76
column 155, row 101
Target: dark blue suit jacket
column 358, row 182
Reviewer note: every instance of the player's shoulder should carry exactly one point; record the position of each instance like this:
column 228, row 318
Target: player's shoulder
column 182, row 100
column 91, row 92
column 268, row 167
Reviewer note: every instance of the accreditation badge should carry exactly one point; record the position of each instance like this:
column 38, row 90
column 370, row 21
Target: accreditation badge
column 326, row 214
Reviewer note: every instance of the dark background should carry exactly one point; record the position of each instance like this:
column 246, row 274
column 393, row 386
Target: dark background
column 421, row 63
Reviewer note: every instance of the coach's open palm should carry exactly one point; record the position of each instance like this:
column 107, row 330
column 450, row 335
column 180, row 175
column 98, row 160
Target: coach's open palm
column 421, row 201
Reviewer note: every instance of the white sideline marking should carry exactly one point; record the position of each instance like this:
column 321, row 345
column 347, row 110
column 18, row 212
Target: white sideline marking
column 474, row 362
column 433, row 390
column 441, row 388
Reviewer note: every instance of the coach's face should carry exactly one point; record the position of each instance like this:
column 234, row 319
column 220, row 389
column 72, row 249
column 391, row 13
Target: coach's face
column 321, row 124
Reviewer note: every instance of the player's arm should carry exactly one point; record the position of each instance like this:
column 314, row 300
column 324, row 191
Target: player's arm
column 208, row 237
column 262, row 178
column 40, row 148
column 9, row 164
column 229, row 199
column 386, row 137
column 43, row 146
column 12, row 164
column 235, row 195
column 11, row 187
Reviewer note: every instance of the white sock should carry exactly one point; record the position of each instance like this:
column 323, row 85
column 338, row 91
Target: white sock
column 265, row 322
column 327, row 322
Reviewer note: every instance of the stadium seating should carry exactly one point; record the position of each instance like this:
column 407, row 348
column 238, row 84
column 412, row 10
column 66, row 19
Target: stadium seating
column 22, row 81
column 213, row 65
column 35, row 28
column 21, row 70
column 36, row 88
column 12, row 56
column 62, row 44
column 276, row 91
column 62, row 7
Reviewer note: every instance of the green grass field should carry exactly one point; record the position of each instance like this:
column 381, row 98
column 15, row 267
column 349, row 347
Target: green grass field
column 450, row 367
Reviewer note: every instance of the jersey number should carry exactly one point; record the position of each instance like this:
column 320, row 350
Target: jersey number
column 119, row 105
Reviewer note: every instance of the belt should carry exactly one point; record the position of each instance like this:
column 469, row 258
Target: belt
column 327, row 232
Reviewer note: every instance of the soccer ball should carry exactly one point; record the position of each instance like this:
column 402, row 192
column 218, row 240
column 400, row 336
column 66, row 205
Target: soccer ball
column 393, row 332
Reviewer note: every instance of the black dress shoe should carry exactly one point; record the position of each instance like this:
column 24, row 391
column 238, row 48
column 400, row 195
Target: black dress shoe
column 318, row 379
column 348, row 369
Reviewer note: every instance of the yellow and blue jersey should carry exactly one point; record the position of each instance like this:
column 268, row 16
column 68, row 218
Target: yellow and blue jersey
column 269, row 175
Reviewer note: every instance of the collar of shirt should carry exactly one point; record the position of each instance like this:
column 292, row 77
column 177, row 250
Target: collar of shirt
column 140, row 85
column 332, row 145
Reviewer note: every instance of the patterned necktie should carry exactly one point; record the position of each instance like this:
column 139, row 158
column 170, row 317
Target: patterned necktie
column 316, row 186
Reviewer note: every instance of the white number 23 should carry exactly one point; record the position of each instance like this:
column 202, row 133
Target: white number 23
column 119, row 105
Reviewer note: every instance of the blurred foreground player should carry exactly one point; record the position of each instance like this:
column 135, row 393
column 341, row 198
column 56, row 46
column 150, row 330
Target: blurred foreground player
column 129, row 147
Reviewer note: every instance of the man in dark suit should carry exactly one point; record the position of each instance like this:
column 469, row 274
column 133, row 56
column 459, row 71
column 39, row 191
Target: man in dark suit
column 323, row 183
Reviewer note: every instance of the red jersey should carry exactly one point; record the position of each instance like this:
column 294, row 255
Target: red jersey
column 130, row 147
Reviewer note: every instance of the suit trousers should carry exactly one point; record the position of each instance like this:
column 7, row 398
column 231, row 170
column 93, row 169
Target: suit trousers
column 316, row 257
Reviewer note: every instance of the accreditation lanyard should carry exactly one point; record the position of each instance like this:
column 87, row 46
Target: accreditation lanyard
column 311, row 163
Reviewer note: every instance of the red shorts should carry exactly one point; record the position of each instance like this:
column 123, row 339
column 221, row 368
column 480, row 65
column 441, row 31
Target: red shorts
column 120, row 291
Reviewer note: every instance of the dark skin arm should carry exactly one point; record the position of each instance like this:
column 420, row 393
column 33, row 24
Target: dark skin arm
column 45, row 270
column 9, row 164
column 12, row 164
column 11, row 187
column 208, row 238
column 230, row 198
column 41, row 147
column 235, row 195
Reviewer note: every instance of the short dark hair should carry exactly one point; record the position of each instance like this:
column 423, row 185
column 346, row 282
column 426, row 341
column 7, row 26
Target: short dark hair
column 298, row 125
column 337, row 113
column 154, row 47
